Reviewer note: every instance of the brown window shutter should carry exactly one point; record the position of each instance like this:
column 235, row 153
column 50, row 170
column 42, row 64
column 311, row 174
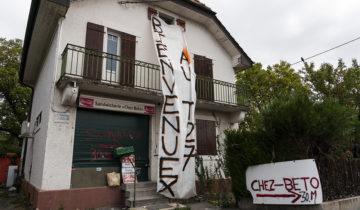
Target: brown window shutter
column 93, row 53
column 208, row 65
column 203, row 66
column 211, row 137
column 181, row 23
column 127, row 66
column 152, row 11
column 204, row 83
column 200, row 137
column 206, row 137
column 197, row 64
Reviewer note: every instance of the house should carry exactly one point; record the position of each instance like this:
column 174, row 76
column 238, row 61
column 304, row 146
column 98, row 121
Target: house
column 96, row 86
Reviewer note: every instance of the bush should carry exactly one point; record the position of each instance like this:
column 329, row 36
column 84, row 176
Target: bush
column 292, row 127
column 242, row 150
column 299, row 128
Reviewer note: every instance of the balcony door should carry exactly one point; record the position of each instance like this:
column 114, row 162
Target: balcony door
column 111, row 72
column 114, row 63
column 120, row 58
column 204, row 78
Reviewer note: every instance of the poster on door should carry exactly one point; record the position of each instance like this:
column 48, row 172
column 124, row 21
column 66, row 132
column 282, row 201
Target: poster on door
column 292, row 183
column 127, row 169
column 177, row 139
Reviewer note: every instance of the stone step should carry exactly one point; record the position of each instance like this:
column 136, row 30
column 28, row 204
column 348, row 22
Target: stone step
column 145, row 194
column 149, row 200
column 140, row 185
column 141, row 192
column 168, row 206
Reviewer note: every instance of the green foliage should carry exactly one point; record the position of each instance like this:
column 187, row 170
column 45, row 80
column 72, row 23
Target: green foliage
column 9, row 144
column 226, row 200
column 298, row 127
column 294, row 126
column 14, row 98
column 340, row 83
column 61, row 207
column 295, row 117
column 264, row 85
column 243, row 148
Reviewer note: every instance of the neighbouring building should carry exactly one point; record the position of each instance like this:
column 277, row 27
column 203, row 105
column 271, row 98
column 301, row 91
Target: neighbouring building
column 96, row 86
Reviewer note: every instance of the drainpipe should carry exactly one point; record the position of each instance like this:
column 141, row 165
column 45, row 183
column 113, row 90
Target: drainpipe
column 26, row 139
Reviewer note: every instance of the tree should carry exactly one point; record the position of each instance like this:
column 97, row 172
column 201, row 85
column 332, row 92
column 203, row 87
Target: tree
column 14, row 97
column 262, row 86
column 294, row 117
column 340, row 83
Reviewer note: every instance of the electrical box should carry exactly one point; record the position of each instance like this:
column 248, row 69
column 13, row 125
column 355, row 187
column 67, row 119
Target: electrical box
column 25, row 129
column 69, row 95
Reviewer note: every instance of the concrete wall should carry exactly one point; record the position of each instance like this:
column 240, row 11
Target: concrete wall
column 35, row 155
column 49, row 154
column 222, row 122
column 60, row 138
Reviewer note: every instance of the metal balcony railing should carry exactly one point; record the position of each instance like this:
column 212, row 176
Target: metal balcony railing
column 80, row 62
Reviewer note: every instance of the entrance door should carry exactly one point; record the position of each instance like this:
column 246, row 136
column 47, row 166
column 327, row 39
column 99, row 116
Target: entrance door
column 97, row 133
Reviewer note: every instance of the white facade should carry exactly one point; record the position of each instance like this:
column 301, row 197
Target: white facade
column 49, row 155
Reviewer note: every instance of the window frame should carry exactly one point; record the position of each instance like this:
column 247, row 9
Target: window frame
column 118, row 48
column 111, row 75
column 170, row 20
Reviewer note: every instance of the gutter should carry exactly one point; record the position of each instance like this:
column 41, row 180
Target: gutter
column 34, row 8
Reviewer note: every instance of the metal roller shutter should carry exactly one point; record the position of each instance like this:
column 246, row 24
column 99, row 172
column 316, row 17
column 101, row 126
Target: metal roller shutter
column 97, row 133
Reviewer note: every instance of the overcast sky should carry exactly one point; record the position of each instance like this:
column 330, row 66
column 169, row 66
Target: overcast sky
column 274, row 30
column 268, row 30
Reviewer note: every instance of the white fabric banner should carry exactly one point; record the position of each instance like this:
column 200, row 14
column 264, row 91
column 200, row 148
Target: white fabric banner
column 176, row 177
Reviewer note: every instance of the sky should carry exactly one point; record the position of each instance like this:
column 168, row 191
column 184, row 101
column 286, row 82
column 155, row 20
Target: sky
column 268, row 30
column 274, row 30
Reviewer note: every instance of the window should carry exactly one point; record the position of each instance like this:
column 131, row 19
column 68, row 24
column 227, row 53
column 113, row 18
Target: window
column 110, row 68
column 112, row 48
column 204, row 81
column 206, row 137
column 168, row 19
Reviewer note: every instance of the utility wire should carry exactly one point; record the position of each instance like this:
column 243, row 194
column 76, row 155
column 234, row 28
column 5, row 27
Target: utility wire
column 139, row 2
column 304, row 59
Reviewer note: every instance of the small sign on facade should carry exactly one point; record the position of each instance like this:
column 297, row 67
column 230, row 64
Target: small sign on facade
column 291, row 182
column 127, row 169
column 93, row 102
column 62, row 117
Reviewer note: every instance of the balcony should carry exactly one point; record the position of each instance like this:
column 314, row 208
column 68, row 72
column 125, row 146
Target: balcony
column 100, row 68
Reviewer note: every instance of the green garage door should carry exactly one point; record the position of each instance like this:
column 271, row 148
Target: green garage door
column 97, row 133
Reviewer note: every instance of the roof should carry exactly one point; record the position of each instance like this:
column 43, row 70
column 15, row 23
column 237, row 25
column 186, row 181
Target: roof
column 201, row 4
column 34, row 9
